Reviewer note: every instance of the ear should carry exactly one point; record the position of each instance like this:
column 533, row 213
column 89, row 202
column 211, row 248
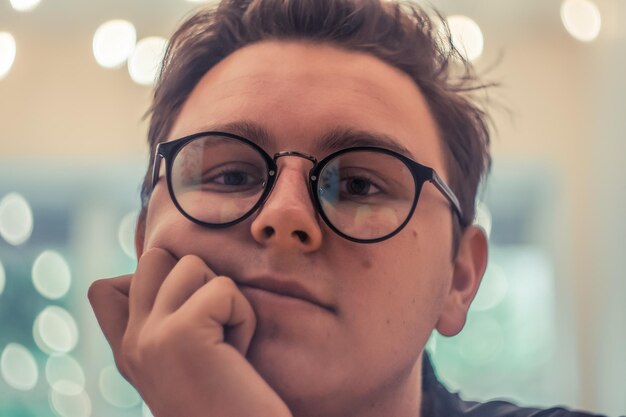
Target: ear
column 140, row 233
column 469, row 268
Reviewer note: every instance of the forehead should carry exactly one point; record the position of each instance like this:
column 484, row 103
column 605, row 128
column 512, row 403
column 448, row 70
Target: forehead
column 300, row 91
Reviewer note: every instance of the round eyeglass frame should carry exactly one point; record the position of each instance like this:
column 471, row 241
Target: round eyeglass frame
column 421, row 174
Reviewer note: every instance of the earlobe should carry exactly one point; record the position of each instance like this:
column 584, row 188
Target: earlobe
column 469, row 268
column 140, row 232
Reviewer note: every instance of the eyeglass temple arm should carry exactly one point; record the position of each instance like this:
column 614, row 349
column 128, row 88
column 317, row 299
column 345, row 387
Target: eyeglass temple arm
column 449, row 194
column 156, row 166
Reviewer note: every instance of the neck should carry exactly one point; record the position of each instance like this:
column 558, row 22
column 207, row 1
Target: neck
column 401, row 397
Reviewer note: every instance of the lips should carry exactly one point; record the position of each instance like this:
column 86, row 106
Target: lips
column 286, row 288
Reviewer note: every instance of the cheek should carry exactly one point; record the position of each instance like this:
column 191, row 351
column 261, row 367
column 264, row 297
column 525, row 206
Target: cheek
column 167, row 228
column 164, row 224
column 393, row 296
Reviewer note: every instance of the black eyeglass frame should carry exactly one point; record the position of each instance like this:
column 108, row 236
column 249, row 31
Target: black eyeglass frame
column 421, row 174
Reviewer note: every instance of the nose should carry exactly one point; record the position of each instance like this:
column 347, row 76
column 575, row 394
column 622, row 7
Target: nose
column 288, row 219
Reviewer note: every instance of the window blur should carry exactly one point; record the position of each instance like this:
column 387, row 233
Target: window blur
column 547, row 325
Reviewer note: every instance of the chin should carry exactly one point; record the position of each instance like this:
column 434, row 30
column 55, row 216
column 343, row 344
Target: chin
column 293, row 371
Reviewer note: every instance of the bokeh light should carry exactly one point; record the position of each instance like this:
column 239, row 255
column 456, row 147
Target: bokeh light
column 581, row 19
column 64, row 374
column 24, row 5
column 145, row 61
column 2, row 278
column 466, row 36
column 51, row 275
column 8, row 50
column 113, row 43
column 116, row 390
column 16, row 219
column 18, row 367
column 77, row 405
column 55, row 330
column 126, row 233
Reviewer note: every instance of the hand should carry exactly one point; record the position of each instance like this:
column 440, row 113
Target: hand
column 179, row 335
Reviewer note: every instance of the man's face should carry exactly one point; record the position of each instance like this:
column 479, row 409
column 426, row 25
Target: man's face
column 386, row 296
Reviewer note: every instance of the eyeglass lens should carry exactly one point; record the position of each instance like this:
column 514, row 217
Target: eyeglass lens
column 364, row 194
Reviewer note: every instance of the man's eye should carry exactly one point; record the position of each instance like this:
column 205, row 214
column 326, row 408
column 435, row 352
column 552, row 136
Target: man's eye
column 231, row 178
column 358, row 186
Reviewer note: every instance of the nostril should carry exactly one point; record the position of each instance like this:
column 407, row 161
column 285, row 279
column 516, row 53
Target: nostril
column 302, row 236
column 269, row 231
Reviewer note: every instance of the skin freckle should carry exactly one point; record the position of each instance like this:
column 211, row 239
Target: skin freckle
column 367, row 264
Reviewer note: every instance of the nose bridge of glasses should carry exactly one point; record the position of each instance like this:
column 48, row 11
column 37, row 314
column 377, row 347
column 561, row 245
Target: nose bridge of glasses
column 300, row 155
column 294, row 153
column 291, row 182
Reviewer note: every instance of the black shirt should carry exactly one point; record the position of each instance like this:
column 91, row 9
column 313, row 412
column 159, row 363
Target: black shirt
column 437, row 401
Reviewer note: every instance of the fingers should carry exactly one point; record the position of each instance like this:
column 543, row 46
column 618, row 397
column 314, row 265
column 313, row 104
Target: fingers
column 162, row 286
column 189, row 274
column 219, row 304
column 109, row 301
column 152, row 269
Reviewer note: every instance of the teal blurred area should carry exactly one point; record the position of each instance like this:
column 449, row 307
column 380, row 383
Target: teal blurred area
column 548, row 326
column 81, row 211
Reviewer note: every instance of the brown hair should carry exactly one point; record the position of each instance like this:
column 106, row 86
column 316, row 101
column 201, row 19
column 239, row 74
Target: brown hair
column 398, row 33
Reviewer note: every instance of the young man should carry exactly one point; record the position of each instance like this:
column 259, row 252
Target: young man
column 307, row 219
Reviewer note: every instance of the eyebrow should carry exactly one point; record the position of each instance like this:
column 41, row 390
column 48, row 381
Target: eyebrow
column 333, row 140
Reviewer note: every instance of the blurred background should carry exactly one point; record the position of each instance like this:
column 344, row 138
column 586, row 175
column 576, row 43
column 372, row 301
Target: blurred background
column 548, row 326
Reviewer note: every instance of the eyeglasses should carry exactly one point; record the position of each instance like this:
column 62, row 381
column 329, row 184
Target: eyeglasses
column 365, row 194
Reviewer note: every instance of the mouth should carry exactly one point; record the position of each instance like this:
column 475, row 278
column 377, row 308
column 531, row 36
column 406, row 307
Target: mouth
column 282, row 291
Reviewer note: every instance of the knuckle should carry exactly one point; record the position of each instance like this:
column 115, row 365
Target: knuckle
column 122, row 367
column 126, row 360
column 224, row 282
column 132, row 356
column 193, row 261
column 95, row 289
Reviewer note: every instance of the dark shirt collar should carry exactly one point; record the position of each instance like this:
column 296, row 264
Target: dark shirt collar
column 437, row 401
column 431, row 387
